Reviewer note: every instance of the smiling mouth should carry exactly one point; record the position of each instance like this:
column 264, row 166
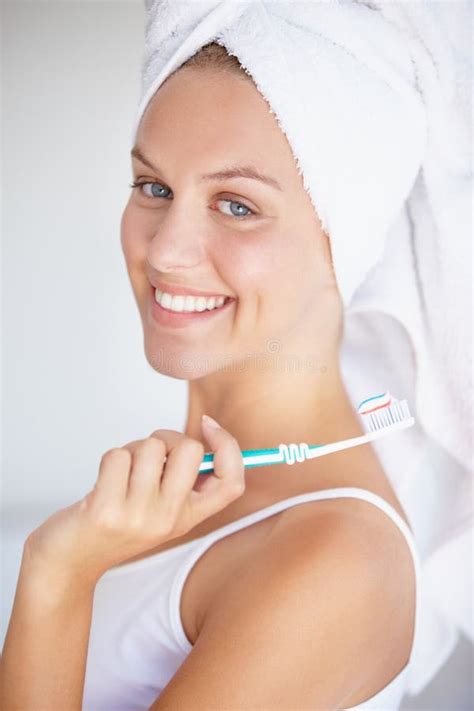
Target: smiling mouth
column 189, row 304
column 168, row 318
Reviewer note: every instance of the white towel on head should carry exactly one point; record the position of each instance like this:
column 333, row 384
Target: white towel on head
column 374, row 98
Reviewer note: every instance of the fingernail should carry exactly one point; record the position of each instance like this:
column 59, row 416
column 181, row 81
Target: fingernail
column 209, row 421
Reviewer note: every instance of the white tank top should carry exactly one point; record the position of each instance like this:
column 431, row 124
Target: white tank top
column 137, row 641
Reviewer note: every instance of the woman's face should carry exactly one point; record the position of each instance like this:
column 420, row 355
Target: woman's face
column 259, row 243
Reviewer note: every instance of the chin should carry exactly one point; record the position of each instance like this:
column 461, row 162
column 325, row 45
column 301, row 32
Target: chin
column 178, row 365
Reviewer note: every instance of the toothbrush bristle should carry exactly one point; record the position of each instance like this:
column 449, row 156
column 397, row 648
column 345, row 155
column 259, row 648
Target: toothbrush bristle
column 382, row 417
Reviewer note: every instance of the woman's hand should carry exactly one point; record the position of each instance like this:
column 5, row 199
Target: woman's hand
column 139, row 502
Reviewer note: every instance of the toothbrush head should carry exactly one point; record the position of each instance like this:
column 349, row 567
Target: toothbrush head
column 382, row 411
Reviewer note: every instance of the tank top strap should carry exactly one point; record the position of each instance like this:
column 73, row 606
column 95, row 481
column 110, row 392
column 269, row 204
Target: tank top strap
column 197, row 547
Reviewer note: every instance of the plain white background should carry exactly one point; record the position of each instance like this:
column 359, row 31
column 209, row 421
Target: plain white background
column 75, row 378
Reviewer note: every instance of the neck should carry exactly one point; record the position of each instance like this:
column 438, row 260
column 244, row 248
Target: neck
column 274, row 406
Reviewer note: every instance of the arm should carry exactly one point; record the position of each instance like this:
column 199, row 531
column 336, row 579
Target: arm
column 44, row 655
column 136, row 503
column 307, row 624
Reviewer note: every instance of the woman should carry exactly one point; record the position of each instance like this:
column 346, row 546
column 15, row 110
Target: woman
column 292, row 606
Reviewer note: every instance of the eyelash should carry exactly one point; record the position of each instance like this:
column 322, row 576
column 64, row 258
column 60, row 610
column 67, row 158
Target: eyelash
column 138, row 184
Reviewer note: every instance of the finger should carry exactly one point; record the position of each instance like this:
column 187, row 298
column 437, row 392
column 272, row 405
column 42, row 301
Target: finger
column 170, row 437
column 114, row 472
column 132, row 446
column 180, row 474
column 228, row 482
column 146, row 471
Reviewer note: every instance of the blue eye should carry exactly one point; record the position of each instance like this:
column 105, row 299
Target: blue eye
column 157, row 192
column 239, row 206
column 156, row 188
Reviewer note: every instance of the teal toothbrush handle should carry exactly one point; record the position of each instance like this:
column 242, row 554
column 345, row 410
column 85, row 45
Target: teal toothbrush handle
column 285, row 453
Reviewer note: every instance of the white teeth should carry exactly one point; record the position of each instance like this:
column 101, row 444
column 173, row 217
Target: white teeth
column 188, row 303
column 177, row 303
column 164, row 299
column 200, row 304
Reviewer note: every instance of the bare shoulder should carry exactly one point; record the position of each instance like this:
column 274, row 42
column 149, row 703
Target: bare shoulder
column 356, row 555
column 350, row 536
column 320, row 615
column 354, row 558
column 325, row 518
column 349, row 540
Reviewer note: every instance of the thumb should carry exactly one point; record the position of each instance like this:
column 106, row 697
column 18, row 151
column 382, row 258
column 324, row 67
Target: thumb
column 212, row 431
column 227, row 482
column 228, row 464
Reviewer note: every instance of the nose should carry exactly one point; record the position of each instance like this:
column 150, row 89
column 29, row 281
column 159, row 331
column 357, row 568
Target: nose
column 176, row 244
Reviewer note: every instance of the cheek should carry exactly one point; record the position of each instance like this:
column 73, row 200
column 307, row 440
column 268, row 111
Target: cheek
column 132, row 235
column 275, row 264
column 249, row 260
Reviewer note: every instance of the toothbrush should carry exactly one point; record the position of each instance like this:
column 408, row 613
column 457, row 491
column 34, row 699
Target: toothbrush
column 382, row 414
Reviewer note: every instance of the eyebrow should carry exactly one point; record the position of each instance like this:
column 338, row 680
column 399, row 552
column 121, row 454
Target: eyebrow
column 234, row 171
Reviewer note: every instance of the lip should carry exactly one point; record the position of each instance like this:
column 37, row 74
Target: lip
column 184, row 291
column 176, row 319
